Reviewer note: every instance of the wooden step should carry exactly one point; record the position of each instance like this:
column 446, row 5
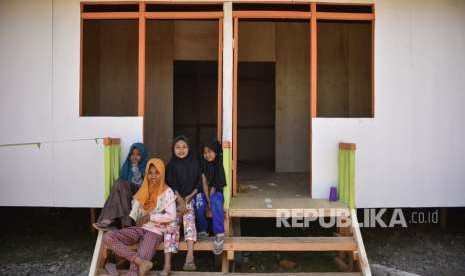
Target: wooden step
column 290, row 244
column 274, row 244
column 252, row 207
column 102, row 272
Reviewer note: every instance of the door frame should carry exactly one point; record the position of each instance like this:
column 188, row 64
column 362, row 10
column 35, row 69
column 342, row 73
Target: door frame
column 270, row 15
column 313, row 15
column 202, row 16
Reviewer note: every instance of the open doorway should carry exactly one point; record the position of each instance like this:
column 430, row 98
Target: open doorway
column 273, row 117
column 182, row 88
column 195, row 100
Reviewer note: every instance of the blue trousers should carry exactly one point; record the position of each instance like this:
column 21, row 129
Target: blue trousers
column 217, row 203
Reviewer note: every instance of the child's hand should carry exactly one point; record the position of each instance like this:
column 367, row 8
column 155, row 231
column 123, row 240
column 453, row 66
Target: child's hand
column 143, row 220
column 188, row 199
column 182, row 208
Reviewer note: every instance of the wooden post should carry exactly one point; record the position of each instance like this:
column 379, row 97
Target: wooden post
column 313, row 59
column 234, row 108
column 141, row 62
column 92, row 219
column 227, row 85
column 220, row 81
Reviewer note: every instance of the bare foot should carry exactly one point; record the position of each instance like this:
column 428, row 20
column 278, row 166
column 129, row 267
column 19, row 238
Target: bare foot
column 164, row 273
column 145, row 267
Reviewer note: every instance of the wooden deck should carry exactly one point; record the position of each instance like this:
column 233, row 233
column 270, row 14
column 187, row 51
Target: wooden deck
column 348, row 242
column 262, row 199
column 247, row 206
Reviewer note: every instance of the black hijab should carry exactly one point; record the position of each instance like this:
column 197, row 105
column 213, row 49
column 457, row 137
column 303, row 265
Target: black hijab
column 214, row 171
column 183, row 174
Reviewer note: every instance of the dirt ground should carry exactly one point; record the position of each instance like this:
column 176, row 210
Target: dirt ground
column 43, row 241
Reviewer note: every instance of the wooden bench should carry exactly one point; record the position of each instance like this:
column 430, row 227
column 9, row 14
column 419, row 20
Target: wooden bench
column 274, row 244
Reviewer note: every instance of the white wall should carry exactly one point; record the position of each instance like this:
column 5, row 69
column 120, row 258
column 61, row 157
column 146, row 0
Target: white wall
column 39, row 76
column 413, row 152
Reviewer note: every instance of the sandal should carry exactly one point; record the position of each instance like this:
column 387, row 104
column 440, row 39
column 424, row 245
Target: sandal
column 163, row 273
column 101, row 226
column 202, row 236
column 111, row 269
column 104, row 227
column 218, row 245
column 190, row 266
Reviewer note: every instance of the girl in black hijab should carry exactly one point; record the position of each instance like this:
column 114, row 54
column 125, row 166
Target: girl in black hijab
column 213, row 180
column 183, row 176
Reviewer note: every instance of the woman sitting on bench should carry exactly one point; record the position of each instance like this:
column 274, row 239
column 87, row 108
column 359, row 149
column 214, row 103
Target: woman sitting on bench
column 118, row 204
column 154, row 210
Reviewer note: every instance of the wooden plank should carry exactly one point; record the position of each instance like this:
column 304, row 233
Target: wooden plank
column 290, row 244
column 372, row 73
column 228, row 64
column 362, row 255
column 224, row 263
column 220, row 82
column 102, row 272
column 344, row 16
column 313, row 63
column 230, row 255
column 271, row 213
column 347, row 146
column 97, row 258
column 234, row 103
column 205, row 245
column 109, row 2
column 141, row 62
column 81, row 63
column 272, row 14
column 274, row 244
column 242, row 206
column 183, row 15
column 110, row 15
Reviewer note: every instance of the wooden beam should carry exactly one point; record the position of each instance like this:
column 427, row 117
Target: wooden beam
column 290, row 244
column 272, row 14
column 347, row 146
column 271, row 213
column 274, row 244
column 183, row 15
column 372, row 73
column 110, row 15
column 313, row 63
column 109, row 2
column 111, row 141
column 362, row 255
column 344, row 16
column 141, row 62
column 103, row 272
column 81, row 67
column 224, row 263
column 220, row 81
column 228, row 64
column 234, row 142
column 97, row 258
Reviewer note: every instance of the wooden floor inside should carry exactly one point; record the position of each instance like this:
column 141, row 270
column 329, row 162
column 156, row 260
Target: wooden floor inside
column 258, row 179
column 262, row 192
